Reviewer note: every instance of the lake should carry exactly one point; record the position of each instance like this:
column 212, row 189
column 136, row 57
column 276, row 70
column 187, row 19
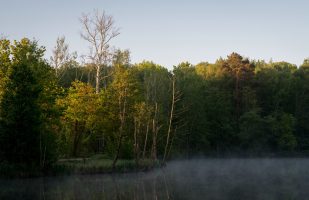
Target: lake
column 191, row 179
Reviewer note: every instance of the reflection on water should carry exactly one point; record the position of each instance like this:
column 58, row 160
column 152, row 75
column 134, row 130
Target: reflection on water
column 195, row 179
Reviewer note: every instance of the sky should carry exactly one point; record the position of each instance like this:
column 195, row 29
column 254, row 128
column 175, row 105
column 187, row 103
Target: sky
column 171, row 31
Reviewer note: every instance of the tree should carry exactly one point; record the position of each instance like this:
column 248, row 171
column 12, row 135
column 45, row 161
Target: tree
column 172, row 115
column 274, row 88
column 154, row 83
column 142, row 117
column 5, row 63
column 282, row 130
column 122, row 90
column 20, row 117
column 27, row 57
column 191, row 131
column 5, row 52
column 254, row 136
column 80, row 107
column 242, row 71
column 61, row 56
column 301, row 80
column 305, row 63
column 98, row 31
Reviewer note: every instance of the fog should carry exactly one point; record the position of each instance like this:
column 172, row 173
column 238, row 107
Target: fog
column 192, row 179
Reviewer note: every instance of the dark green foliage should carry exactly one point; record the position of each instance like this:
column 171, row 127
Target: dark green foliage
column 21, row 117
column 254, row 135
column 282, row 131
column 302, row 106
column 232, row 106
column 27, row 113
column 241, row 106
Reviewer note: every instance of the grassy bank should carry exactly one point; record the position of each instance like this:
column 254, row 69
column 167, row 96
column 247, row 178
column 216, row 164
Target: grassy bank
column 97, row 164
column 90, row 165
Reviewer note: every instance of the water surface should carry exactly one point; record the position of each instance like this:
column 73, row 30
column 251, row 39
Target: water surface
column 193, row 179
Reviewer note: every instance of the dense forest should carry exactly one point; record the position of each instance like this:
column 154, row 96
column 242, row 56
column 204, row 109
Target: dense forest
column 143, row 110
column 61, row 107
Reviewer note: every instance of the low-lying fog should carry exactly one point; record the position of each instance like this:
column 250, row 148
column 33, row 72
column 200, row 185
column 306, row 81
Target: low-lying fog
column 193, row 179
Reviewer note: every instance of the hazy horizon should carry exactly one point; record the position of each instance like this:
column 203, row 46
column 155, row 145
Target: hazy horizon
column 174, row 31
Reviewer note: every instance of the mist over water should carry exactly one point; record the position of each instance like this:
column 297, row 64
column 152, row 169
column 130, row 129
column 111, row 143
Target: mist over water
column 192, row 179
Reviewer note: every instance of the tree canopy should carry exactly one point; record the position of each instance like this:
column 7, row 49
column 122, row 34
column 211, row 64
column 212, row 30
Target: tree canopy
column 233, row 106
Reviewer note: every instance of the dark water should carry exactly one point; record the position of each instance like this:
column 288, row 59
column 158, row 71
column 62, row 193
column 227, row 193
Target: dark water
column 237, row 179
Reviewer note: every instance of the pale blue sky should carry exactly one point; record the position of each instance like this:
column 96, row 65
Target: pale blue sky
column 171, row 31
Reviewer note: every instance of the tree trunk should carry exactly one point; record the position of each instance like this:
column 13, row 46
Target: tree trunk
column 122, row 111
column 146, row 140
column 97, row 80
column 119, row 145
column 237, row 96
column 172, row 140
column 154, row 135
column 117, row 151
column 136, row 131
column 170, row 122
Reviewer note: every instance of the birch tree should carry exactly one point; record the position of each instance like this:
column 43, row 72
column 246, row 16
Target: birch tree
column 98, row 29
column 60, row 54
column 172, row 115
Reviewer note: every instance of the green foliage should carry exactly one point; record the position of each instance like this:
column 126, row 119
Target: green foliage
column 79, row 110
column 28, row 98
column 282, row 130
column 301, row 90
column 254, row 135
column 21, row 117
column 231, row 106
column 72, row 71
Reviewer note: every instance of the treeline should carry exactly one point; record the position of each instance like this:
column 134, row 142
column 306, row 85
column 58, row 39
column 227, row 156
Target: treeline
column 145, row 111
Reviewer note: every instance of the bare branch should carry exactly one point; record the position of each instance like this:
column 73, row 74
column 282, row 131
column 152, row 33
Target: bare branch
column 61, row 55
column 98, row 30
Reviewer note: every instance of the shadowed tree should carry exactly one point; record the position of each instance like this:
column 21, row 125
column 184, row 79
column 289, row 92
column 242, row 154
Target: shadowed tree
column 25, row 70
column 20, row 117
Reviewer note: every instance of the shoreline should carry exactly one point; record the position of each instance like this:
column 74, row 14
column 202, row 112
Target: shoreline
column 76, row 167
